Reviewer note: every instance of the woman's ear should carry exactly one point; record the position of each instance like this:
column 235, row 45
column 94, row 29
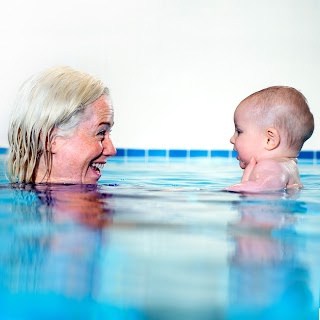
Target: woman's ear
column 50, row 143
column 53, row 144
column 272, row 139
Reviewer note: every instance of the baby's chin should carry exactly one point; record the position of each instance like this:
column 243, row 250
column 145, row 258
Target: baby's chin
column 242, row 164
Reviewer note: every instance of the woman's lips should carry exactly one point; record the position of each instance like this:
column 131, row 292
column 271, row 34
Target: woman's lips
column 97, row 167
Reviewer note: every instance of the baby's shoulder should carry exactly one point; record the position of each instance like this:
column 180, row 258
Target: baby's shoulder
column 279, row 163
column 282, row 160
column 289, row 162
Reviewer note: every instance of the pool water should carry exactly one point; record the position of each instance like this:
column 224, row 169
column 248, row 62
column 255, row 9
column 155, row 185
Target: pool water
column 160, row 240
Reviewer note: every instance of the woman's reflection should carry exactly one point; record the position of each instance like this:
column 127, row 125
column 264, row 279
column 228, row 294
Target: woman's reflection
column 85, row 204
column 57, row 236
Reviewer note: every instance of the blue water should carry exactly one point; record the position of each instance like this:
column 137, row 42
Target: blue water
column 159, row 240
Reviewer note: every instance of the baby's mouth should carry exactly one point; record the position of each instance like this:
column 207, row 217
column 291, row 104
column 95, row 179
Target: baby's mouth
column 97, row 166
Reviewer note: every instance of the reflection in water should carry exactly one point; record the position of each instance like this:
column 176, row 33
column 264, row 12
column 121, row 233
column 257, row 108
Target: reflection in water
column 267, row 278
column 91, row 252
column 52, row 247
column 85, row 204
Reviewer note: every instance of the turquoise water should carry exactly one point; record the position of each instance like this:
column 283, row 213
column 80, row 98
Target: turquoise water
column 159, row 240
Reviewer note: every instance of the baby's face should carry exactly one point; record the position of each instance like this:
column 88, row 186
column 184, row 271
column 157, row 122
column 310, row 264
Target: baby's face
column 248, row 138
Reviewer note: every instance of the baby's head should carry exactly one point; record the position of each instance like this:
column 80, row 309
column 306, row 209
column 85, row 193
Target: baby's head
column 284, row 109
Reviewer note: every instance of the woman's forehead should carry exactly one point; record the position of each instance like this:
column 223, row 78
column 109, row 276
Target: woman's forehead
column 100, row 110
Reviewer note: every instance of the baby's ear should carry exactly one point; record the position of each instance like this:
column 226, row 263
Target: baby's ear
column 272, row 139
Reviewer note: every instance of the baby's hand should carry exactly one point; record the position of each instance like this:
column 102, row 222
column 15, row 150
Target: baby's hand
column 248, row 170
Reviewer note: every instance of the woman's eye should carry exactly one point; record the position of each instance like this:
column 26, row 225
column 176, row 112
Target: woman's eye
column 102, row 133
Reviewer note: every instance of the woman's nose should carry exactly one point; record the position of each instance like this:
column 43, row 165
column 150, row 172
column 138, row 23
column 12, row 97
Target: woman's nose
column 108, row 148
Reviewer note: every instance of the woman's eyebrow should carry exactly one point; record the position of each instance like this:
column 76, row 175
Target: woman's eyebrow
column 106, row 123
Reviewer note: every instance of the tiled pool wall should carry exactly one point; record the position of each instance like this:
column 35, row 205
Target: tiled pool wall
column 196, row 153
column 192, row 153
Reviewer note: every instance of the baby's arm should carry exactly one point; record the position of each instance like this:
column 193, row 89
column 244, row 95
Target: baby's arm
column 266, row 175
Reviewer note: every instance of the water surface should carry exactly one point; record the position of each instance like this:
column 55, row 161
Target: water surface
column 159, row 240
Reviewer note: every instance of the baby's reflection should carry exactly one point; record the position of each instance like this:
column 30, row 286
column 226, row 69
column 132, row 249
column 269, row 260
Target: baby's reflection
column 266, row 274
column 260, row 218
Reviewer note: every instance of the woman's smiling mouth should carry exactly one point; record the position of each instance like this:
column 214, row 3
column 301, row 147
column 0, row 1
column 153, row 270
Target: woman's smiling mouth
column 97, row 167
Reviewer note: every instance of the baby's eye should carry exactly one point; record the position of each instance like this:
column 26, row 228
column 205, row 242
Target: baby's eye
column 238, row 131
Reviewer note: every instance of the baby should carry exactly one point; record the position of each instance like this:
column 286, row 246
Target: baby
column 271, row 127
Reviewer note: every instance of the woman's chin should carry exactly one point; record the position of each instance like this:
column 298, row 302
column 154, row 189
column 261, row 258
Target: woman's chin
column 92, row 176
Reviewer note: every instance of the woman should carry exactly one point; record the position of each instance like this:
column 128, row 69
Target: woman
column 59, row 130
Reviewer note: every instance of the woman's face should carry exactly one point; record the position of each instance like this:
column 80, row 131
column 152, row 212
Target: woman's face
column 79, row 157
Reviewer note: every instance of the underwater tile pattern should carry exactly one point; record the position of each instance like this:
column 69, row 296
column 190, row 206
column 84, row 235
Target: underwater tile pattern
column 192, row 153
column 195, row 153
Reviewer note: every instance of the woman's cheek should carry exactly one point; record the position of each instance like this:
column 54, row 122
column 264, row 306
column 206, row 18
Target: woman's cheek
column 100, row 147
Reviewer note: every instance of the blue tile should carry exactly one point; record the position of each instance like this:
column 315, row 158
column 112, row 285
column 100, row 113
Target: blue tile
column 120, row 152
column 183, row 153
column 3, row 150
column 198, row 153
column 136, row 153
column 178, row 153
column 306, row 155
column 234, row 153
column 157, row 153
column 219, row 153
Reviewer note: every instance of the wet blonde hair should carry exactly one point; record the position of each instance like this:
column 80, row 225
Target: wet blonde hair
column 285, row 109
column 53, row 99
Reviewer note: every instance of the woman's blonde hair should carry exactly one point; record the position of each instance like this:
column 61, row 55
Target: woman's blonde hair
column 53, row 99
